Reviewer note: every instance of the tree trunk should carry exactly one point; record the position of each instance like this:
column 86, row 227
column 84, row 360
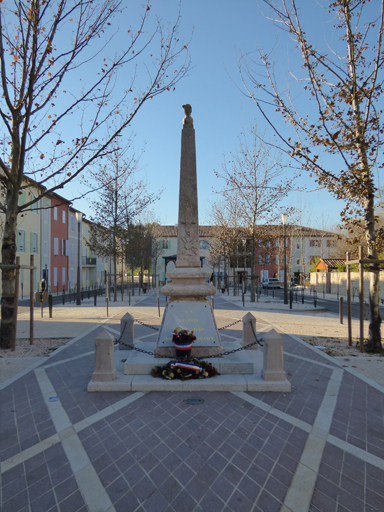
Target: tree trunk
column 374, row 340
column 253, row 283
column 8, row 255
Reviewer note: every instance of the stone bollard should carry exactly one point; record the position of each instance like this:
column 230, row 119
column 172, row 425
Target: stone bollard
column 249, row 321
column 126, row 331
column 105, row 370
column 273, row 364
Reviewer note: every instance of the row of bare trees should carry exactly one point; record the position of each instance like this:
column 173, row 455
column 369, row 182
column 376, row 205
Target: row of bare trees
column 251, row 203
column 62, row 83
column 336, row 126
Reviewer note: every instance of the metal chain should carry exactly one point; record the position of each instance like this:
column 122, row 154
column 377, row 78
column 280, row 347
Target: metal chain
column 130, row 347
column 146, row 325
column 229, row 325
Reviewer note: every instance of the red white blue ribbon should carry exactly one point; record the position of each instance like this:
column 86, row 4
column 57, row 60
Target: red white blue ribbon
column 187, row 366
column 183, row 346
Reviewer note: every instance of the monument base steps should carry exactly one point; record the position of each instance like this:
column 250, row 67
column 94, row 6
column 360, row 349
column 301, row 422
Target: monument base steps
column 240, row 371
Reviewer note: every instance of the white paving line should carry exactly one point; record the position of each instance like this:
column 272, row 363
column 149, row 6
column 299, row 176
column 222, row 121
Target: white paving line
column 308, row 360
column 90, row 486
column 67, row 431
column 276, row 412
column 299, row 495
column 86, row 422
column 62, row 361
column 29, row 453
column 336, row 362
column 357, row 452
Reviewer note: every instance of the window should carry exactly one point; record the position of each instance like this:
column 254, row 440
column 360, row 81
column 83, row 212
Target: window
column 64, row 247
column 72, row 223
column 315, row 243
column 164, row 244
column 86, row 275
column 277, row 260
column 72, row 279
column 45, row 216
column 55, row 276
column 20, row 240
column 203, row 244
column 277, row 243
column 34, row 206
column 55, row 213
column 72, row 252
column 45, row 250
column 297, row 262
column 34, row 243
column 21, row 198
column 86, row 230
column 297, row 246
column 55, row 246
column 63, row 216
column 63, row 278
column 268, row 259
column 330, row 243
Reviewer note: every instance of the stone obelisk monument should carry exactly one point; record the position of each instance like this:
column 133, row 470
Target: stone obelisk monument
column 188, row 306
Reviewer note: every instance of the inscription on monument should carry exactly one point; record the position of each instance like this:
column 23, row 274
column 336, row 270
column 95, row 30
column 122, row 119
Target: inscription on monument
column 196, row 317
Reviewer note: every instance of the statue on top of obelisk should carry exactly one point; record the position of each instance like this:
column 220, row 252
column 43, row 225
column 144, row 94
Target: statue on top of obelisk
column 188, row 120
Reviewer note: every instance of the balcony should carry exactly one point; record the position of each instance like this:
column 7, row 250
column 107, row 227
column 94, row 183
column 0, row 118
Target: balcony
column 89, row 261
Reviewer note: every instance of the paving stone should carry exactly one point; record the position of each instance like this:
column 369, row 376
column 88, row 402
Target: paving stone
column 158, row 453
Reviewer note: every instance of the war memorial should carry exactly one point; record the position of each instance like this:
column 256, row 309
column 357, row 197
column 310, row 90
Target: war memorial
column 241, row 365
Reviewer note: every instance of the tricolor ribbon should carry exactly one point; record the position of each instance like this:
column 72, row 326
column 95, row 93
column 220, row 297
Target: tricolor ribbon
column 187, row 366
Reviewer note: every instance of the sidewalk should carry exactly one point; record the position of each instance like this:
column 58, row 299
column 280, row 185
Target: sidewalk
column 317, row 449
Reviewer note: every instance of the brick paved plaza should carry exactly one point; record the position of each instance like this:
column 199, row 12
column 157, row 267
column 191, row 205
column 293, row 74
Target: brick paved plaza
column 319, row 448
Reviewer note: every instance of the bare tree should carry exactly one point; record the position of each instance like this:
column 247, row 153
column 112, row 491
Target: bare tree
column 61, row 82
column 256, row 180
column 345, row 83
column 121, row 197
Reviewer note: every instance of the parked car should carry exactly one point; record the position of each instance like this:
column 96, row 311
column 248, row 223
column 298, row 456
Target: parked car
column 272, row 282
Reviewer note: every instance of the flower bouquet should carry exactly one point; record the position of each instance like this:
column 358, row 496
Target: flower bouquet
column 183, row 340
column 193, row 369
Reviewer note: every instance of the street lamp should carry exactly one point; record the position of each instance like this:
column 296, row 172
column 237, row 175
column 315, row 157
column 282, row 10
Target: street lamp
column 284, row 218
column 79, row 217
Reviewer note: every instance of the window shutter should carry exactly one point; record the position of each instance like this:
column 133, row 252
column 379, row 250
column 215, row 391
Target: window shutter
column 67, row 247
column 37, row 243
column 31, row 243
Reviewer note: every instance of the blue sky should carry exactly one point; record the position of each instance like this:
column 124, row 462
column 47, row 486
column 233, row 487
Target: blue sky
column 221, row 29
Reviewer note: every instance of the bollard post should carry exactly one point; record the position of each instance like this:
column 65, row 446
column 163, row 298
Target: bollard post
column 290, row 299
column 129, row 297
column 273, row 363
column 95, row 296
column 105, row 370
column 341, row 309
column 249, row 328
column 106, row 300
column 315, row 298
column 50, row 304
column 63, row 296
column 126, row 332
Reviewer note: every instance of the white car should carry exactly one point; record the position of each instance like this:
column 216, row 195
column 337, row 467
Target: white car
column 272, row 282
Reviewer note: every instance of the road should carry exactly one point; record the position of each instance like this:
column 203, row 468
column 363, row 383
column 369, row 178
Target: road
column 330, row 305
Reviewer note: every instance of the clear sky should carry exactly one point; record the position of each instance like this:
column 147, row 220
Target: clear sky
column 221, row 29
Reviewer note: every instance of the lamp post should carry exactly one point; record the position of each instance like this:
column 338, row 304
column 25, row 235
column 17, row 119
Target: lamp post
column 284, row 218
column 79, row 217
